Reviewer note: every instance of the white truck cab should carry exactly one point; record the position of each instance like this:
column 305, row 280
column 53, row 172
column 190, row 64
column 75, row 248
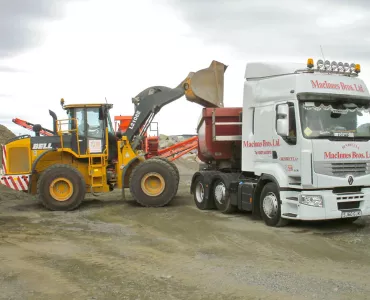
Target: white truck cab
column 305, row 144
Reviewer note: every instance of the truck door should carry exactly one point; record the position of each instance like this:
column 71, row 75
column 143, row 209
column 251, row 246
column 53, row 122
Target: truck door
column 287, row 154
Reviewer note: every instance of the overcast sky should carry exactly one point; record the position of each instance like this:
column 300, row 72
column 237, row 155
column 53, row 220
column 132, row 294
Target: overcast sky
column 86, row 50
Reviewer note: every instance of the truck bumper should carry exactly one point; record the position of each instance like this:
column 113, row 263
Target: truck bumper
column 16, row 182
column 334, row 206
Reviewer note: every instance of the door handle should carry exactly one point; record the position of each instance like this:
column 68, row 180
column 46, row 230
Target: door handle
column 274, row 155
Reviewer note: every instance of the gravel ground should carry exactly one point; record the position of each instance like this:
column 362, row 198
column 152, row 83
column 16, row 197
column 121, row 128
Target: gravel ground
column 114, row 249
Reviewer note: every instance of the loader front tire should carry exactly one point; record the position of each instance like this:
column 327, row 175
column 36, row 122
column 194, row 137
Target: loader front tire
column 61, row 188
column 173, row 166
column 153, row 183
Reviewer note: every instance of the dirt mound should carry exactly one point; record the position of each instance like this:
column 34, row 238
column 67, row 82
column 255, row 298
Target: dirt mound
column 5, row 134
column 7, row 194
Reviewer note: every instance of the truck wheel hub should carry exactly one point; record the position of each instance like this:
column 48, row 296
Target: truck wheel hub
column 220, row 192
column 270, row 205
column 199, row 192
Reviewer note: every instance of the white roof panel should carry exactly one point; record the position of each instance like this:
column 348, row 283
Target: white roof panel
column 266, row 69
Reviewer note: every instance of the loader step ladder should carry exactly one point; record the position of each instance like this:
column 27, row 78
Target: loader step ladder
column 97, row 164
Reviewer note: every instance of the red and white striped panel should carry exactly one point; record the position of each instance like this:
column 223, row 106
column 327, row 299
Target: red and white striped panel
column 16, row 182
column 4, row 160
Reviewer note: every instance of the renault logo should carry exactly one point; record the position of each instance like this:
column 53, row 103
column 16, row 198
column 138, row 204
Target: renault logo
column 350, row 180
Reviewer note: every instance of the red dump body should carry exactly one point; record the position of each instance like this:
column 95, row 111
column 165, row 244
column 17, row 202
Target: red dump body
column 219, row 131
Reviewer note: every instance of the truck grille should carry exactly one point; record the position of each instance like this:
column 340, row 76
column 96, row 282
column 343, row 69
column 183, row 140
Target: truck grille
column 348, row 205
column 342, row 169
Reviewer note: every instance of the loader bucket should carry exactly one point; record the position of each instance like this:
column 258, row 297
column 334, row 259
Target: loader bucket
column 206, row 86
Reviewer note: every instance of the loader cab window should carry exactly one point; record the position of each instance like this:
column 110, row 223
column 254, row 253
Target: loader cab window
column 80, row 118
column 70, row 121
column 90, row 122
column 95, row 123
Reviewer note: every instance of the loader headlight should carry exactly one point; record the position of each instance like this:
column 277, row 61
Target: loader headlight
column 311, row 200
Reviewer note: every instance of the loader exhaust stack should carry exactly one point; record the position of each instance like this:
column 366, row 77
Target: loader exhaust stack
column 206, row 86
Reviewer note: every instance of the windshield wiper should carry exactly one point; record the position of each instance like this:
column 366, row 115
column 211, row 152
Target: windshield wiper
column 346, row 138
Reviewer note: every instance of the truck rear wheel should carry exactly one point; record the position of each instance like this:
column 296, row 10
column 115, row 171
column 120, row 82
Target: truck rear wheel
column 153, row 183
column 61, row 188
column 222, row 197
column 199, row 195
column 270, row 206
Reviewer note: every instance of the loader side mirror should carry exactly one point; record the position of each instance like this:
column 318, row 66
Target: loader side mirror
column 282, row 120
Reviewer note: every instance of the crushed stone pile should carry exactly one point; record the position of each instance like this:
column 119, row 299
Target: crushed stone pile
column 190, row 160
column 167, row 141
column 8, row 194
column 5, row 134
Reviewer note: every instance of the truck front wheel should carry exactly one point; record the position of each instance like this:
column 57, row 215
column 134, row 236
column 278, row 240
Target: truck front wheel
column 270, row 206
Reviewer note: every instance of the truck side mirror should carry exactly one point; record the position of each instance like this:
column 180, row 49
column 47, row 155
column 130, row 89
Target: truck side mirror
column 282, row 120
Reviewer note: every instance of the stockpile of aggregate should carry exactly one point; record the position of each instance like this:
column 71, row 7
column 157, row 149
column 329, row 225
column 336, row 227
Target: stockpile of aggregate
column 5, row 134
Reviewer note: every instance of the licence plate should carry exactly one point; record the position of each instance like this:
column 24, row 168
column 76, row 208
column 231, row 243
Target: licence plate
column 351, row 213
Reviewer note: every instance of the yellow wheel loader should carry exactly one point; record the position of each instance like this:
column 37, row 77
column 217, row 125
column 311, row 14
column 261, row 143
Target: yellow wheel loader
column 85, row 155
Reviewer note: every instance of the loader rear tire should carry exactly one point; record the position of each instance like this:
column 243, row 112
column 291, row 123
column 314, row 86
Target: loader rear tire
column 173, row 166
column 153, row 183
column 61, row 188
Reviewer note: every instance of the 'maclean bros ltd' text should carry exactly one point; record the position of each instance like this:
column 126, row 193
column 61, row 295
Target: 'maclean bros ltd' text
column 348, row 155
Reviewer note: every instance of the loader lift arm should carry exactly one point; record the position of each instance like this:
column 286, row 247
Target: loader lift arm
column 204, row 87
column 147, row 104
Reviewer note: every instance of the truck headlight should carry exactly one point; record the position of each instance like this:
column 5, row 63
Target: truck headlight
column 311, row 200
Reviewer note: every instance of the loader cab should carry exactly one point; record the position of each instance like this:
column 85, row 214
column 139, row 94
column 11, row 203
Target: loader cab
column 89, row 125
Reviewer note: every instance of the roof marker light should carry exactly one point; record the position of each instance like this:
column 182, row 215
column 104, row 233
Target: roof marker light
column 332, row 67
column 357, row 68
column 310, row 63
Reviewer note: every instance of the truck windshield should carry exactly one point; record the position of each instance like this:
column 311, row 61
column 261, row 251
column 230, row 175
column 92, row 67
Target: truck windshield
column 342, row 121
